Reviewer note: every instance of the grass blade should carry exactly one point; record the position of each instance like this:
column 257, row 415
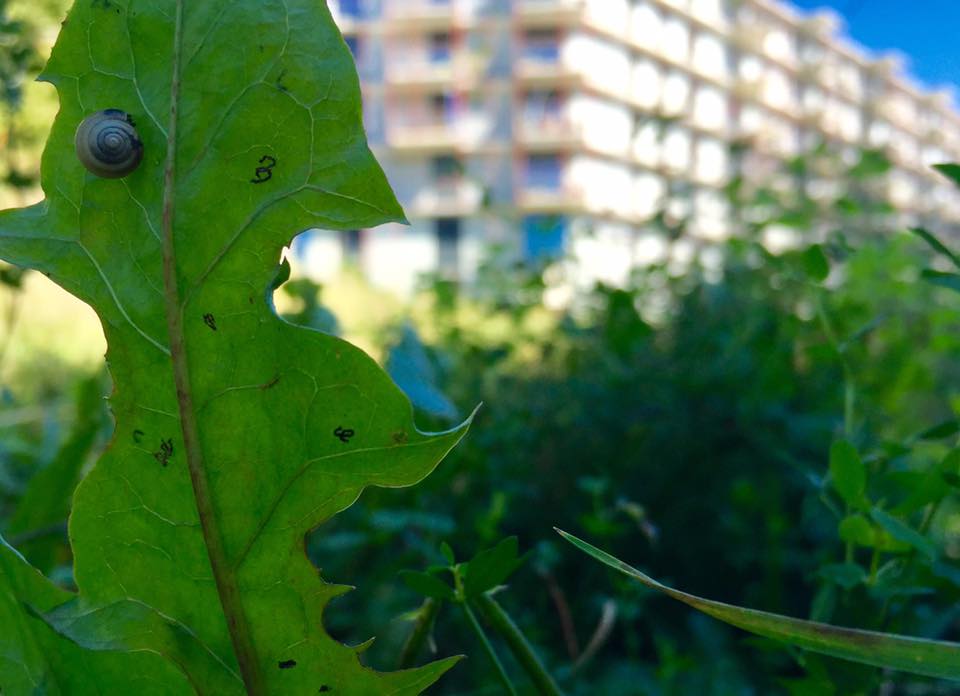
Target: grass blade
column 916, row 655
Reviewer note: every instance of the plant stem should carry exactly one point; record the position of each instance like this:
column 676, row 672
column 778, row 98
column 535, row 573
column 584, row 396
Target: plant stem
column 421, row 630
column 521, row 648
column 226, row 580
column 600, row 636
column 501, row 672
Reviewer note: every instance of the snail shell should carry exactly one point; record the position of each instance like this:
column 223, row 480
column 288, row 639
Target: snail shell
column 108, row 144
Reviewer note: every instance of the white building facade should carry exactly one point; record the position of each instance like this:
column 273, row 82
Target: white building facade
column 566, row 126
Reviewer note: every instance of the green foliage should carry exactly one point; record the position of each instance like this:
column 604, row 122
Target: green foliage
column 474, row 583
column 34, row 659
column 686, row 417
column 236, row 432
column 691, row 415
column 848, row 472
column 932, row 658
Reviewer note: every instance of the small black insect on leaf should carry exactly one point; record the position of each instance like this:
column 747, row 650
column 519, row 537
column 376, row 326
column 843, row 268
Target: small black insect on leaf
column 210, row 321
column 324, row 689
column 287, row 664
column 343, row 434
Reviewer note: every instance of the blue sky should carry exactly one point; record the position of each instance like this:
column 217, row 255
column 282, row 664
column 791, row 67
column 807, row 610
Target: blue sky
column 925, row 30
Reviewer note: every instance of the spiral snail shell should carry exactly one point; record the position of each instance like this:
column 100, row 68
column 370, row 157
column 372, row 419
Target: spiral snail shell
column 108, row 144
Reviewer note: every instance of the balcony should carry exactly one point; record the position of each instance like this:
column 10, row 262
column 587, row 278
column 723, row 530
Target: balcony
column 548, row 13
column 539, row 201
column 547, row 133
column 404, row 16
column 535, row 72
column 453, row 196
column 460, row 71
column 439, row 134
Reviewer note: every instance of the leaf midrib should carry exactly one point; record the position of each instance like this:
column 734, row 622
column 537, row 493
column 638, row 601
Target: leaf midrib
column 224, row 576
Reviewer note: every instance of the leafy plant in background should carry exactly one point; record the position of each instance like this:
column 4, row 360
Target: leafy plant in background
column 902, row 557
column 738, row 382
column 471, row 587
column 236, row 433
column 17, row 59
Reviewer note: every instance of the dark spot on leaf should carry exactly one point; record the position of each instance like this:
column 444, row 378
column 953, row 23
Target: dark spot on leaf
column 282, row 87
column 138, row 436
column 287, row 664
column 210, row 321
column 271, row 384
column 324, row 689
column 400, row 437
column 165, row 452
column 344, row 434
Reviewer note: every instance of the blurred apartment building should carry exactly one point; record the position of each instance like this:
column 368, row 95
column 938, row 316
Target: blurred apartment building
column 555, row 126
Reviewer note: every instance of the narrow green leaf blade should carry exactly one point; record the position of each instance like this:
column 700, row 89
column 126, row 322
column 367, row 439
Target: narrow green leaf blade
column 935, row 243
column 916, row 655
column 948, row 428
column 950, row 281
column 949, row 170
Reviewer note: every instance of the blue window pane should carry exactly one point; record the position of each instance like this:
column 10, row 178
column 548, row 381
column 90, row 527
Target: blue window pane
column 448, row 240
column 351, row 8
column 439, row 49
column 541, row 45
column 442, row 107
column 544, row 237
column 544, row 172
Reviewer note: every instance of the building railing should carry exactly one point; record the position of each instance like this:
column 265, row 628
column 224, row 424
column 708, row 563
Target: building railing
column 547, row 132
column 452, row 131
column 452, row 196
column 460, row 69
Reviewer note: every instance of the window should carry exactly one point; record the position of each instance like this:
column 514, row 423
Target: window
column 544, row 172
column 351, row 241
column 351, row 8
column 439, row 48
column 544, row 237
column 446, row 167
column 676, row 93
column 448, row 246
column 353, row 43
column 710, row 55
column 543, row 105
column 541, row 45
column 675, row 40
column 441, row 107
